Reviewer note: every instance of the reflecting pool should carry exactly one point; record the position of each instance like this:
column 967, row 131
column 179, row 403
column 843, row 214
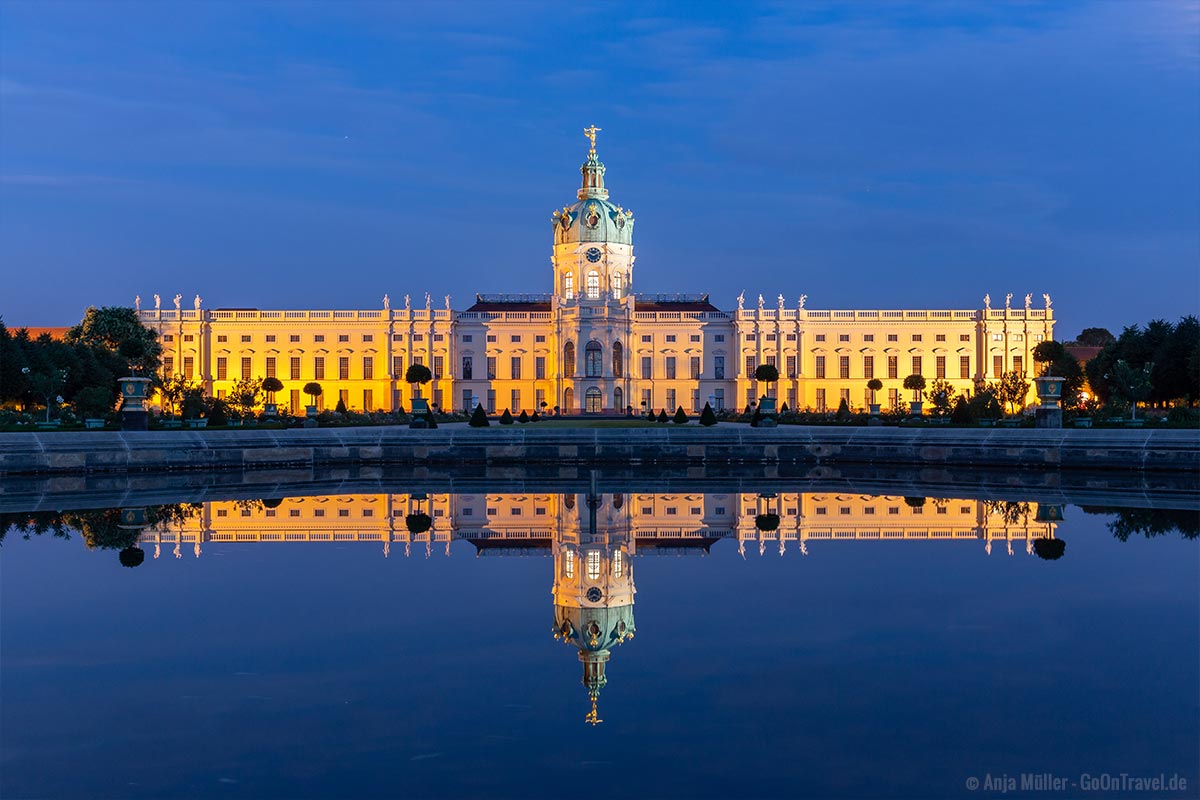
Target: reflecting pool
column 775, row 644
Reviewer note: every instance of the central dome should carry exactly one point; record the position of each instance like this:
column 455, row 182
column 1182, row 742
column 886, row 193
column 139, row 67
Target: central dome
column 593, row 218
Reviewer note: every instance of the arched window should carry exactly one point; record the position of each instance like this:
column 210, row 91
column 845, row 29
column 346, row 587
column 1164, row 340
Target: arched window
column 593, row 285
column 569, row 360
column 568, row 402
column 569, row 286
column 618, row 400
column 593, row 360
column 569, row 563
column 618, row 360
column 593, row 565
column 594, row 399
column 618, row 567
column 616, row 285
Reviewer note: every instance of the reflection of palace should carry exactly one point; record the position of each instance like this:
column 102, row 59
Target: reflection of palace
column 594, row 538
column 592, row 344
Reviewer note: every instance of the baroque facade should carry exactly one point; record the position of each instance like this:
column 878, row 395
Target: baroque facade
column 594, row 345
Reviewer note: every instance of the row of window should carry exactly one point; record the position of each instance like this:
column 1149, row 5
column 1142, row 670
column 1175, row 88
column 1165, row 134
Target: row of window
column 592, row 285
column 319, row 338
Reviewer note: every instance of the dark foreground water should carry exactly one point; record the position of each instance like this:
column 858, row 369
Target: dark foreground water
column 864, row 647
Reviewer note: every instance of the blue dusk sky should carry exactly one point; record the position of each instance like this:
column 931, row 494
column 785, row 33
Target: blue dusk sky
column 869, row 155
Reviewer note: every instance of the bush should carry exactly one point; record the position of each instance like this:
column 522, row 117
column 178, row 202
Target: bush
column 313, row 390
column 131, row 556
column 1049, row 549
column 662, row 415
column 961, row 415
column 479, row 418
column 418, row 523
column 843, row 411
column 524, row 417
column 914, row 502
column 506, row 418
column 681, row 416
column 271, row 386
column 94, row 401
column 534, row 417
column 707, row 417
column 341, row 406
column 783, row 409
column 766, row 522
column 766, row 373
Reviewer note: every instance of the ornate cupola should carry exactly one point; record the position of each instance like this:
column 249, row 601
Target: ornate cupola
column 593, row 239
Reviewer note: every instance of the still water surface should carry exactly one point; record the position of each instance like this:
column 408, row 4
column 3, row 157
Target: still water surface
column 719, row 645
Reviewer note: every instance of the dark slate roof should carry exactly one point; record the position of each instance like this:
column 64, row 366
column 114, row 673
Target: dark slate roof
column 684, row 306
column 483, row 306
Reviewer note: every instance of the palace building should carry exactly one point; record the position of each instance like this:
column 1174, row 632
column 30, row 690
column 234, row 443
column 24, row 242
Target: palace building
column 595, row 345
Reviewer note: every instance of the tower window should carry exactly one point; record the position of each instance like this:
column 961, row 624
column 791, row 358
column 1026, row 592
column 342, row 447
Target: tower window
column 617, row 285
column 569, row 286
column 593, row 285
column 593, row 564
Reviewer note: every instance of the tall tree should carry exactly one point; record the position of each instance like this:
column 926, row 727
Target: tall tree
column 117, row 329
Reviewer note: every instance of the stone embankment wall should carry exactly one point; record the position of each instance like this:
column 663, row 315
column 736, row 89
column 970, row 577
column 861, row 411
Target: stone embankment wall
column 84, row 452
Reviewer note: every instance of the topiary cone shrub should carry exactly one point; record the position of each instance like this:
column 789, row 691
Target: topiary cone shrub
column 418, row 523
column 766, row 522
column 662, row 415
column 506, row 418
column 524, row 417
column 707, row 417
column 534, row 417
column 681, row 416
column 1049, row 549
column 479, row 418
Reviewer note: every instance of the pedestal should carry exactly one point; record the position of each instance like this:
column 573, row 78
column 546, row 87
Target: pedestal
column 1047, row 417
column 134, row 419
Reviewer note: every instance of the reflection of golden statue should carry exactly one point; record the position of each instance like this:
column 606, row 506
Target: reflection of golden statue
column 590, row 133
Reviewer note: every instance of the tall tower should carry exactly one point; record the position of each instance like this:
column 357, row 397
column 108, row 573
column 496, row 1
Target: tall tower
column 593, row 240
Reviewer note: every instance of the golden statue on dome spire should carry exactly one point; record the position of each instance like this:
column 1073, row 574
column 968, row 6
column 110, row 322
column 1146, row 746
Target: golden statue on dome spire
column 590, row 133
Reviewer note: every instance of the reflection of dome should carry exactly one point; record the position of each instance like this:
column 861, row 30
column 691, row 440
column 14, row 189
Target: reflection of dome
column 593, row 218
column 594, row 631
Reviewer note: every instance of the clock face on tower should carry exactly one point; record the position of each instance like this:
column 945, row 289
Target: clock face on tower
column 593, row 254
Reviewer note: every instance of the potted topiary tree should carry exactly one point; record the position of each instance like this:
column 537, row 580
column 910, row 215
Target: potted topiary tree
column 874, row 385
column 271, row 385
column 416, row 375
column 313, row 390
column 916, row 384
column 768, row 374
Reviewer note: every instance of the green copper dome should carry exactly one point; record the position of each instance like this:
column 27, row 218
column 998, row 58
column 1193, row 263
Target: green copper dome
column 593, row 218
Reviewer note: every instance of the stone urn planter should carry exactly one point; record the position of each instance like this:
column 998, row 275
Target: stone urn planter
column 93, row 424
column 874, row 409
column 270, row 409
column 915, row 407
column 1049, row 391
column 133, row 403
column 310, row 411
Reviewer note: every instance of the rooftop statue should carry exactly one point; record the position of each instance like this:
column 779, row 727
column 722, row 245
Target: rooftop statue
column 590, row 133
